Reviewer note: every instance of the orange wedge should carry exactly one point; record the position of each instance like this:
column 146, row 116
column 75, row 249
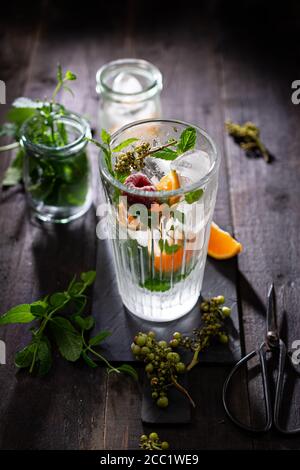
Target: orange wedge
column 221, row 244
column 168, row 263
column 169, row 182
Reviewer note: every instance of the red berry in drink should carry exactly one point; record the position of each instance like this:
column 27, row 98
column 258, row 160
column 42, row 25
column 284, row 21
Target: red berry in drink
column 140, row 182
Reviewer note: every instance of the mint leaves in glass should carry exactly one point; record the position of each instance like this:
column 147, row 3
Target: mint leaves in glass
column 57, row 177
column 160, row 179
column 52, row 160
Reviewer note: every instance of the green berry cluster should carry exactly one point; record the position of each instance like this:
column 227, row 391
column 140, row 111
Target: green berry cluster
column 153, row 442
column 132, row 159
column 214, row 314
column 162, row 364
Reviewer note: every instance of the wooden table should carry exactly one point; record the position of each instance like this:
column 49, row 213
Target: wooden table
column 218, row 63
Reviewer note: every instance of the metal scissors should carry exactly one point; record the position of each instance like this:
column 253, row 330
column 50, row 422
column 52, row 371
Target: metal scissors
column 272, row 344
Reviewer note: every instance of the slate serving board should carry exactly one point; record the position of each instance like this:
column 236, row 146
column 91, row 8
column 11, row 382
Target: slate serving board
column 110, row 314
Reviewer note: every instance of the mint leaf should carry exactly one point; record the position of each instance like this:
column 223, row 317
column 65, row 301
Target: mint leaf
column 19, row 314
column 187, row 140
column 43, row 357
column 68, row 340
column 124, row 144
column 193, row 196
column 24, row 357
column 129, row 370
column 88, row 360
column 19, row 115
column 70, row 76
column 75, row 288
column 39, row 307
column 58, row 299
column 156, row 285
column 105, row 136
column 165, row 154
column 169, row 249
column 88, row 278
column 80, row 302
column 86, row 323
column 99, row 338
column 14, row 172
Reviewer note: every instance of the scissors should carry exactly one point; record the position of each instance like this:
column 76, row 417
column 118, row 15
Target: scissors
column 272, row 344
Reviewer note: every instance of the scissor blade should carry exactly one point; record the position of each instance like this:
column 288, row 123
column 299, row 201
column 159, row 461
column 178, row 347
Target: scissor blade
column 271, row 311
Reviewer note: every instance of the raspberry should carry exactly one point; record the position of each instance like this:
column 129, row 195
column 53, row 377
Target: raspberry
column 139, row 181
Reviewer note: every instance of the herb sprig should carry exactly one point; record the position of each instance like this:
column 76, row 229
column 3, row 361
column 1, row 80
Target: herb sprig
column 248, row 137
column 45, row 131
column 59, row 319
column 134, row 159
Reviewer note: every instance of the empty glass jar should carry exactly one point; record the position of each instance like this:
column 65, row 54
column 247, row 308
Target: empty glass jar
column 129, row 90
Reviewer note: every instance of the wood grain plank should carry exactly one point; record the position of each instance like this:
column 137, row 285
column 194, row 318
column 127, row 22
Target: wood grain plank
column 37, row 259
column 265, row 198
column 186, row 55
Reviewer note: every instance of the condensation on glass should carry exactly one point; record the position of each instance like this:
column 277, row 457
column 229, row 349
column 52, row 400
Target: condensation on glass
column 129, row 90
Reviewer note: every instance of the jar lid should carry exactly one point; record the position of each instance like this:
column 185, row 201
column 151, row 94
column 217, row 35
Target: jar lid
column 128, row 80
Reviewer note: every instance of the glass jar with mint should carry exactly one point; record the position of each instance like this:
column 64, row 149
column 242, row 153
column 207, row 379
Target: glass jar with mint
column 56, row 170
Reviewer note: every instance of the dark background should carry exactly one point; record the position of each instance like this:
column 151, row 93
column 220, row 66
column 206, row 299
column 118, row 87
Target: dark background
column 220, row 60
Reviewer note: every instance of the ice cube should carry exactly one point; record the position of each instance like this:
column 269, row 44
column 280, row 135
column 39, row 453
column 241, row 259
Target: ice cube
column 127, row 83
column 191, row 166
column 156, row 168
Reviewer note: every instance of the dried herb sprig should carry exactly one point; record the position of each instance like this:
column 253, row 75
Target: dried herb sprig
column 248, row 137
column 135, row 159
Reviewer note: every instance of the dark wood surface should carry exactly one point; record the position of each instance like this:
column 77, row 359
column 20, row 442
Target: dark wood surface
column 218, row 63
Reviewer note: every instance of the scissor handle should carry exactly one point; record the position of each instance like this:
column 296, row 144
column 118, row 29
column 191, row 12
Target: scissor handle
column 279, row 391
column 267, row 398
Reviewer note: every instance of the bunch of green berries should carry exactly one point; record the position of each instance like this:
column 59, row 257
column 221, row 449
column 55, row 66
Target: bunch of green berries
column 162, row 365
column 214, row 314
column 153, row 442
column 132, row 159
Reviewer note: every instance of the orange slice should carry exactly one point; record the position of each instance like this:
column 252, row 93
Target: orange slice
column 167, row 263
column 169, row 182
column 221, row 244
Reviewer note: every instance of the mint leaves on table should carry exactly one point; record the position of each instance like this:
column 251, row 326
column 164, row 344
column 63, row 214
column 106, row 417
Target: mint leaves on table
column 58, row 320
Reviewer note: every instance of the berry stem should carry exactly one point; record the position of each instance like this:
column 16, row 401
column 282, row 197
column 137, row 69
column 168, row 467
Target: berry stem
column 161, row 147
column 183, row 390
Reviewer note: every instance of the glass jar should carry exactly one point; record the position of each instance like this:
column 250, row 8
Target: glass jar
column 129, row 90
column 57, row 179
column 160, row 237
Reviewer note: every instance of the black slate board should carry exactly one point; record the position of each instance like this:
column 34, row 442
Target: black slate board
column 110, row 314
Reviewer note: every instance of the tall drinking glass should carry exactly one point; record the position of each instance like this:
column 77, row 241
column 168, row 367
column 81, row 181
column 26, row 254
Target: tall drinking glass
column 160, row 237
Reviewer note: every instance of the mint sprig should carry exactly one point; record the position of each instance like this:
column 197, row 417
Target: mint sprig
column 58, row 320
